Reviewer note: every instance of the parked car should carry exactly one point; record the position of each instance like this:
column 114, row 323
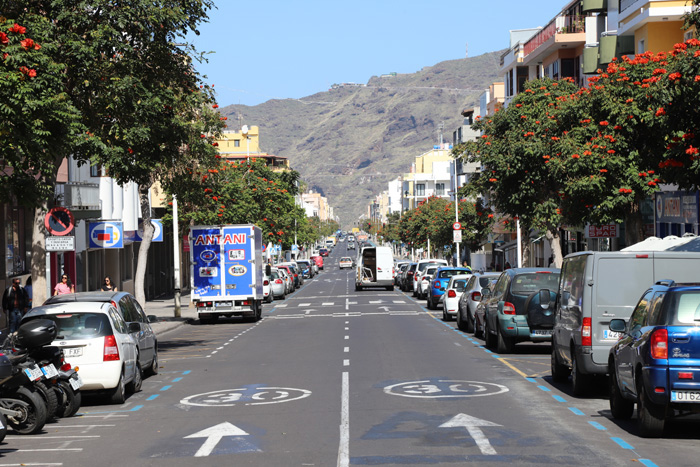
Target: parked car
column 470, row 299
column 438, row 284
column 289, row 269
column 596, row 287
column 655, row 362
column 480, row 311
column 323, row 252
column 95, row 338
column 288, row 280
column 517, row 311
column 420, row 268
column 277, row 284
column 131, row 312
column 406, row 280
column 423, row 282
column 318, row 259
column 267, row 289
column 398, row 270
column 452, row 292
column 306, row 268
column 345, row 262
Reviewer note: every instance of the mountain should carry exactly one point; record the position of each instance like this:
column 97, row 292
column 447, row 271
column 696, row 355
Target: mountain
column 350, row 141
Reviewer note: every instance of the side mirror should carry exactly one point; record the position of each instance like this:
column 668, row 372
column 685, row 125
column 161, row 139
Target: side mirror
column 617, row 325
column 545, row 299
column 152, row 318
column 134, row 327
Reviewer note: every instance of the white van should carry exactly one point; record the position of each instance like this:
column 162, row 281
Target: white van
column 375, row 265
column 596, row 287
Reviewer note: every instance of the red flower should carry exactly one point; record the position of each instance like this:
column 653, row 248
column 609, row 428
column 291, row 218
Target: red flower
column 603, row 171
column 202, row 136
column 17, row 29
column 27, row 43
column 674, row 76
column 4, row 40
column 575, row 156
column 604, row 123
column 660, row 112
column 131, row 151
column 215, row 106
column 691, row 150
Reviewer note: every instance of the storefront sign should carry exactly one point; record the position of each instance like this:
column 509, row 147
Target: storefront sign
column 601, row 231
column 677, row 207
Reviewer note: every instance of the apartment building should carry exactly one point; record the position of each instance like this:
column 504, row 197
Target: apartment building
column 430, row 175
column 245, row 144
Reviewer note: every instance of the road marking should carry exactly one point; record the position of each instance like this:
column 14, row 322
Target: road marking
column 304, row 304
column 544, row 388
column 283, row 305
column 598, row 426
column 327, row 304
column 344, row 447
column 347, row 337
column 576, row 411
column 52, row 437
column 3, row 451
column 473, row 424
column 213, row 435
column 559, row 398
column 346, row 362
column 346, row 349
column 623, row 444
column 398, row 301
column 458, row 344
column 152, row 397
column 646, row 462
column 165, row 388
column 308, row 312
column 347, row 328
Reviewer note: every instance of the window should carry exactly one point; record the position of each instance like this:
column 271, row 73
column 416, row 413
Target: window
column 501, row 286
column 439, row 189
column 572, row 280
column 18, row 240
column 639, row 315
column 420, row 189
column 237, row 143
column 555, row 70
column 641, row 46
column 96, row 170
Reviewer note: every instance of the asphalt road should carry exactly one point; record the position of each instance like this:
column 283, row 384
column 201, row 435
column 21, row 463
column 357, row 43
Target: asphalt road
column 334, row 377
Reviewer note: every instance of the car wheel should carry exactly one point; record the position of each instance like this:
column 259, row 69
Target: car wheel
column 118, row 394
column 153, row 368
column 560, row 372
column 620, row 407
column 505, row 343
column 651, row 417
column 135, row 385
column 580, row 382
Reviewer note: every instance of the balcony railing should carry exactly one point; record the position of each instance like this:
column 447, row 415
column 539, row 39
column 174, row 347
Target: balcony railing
column 79, row 196
column 559, row 25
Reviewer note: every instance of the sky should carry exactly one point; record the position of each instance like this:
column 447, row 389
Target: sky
column 279, row 49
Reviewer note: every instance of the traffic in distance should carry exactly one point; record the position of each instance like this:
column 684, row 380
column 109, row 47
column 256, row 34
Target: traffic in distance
column 539, row 348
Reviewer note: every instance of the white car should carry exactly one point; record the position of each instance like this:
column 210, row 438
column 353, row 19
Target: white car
column 288, row 280
column 267, row 290
column 345, row 262
column 95, row 338
column 424, row 282
column 453, row 292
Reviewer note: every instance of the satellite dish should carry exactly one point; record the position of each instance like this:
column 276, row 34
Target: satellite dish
column 244, row 129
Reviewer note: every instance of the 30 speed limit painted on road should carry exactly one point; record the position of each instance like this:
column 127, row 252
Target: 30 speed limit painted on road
column 253, row 395
column 444, row 389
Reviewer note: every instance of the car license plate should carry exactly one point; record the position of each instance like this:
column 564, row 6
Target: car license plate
column 541, row 332
column 33, row 373
column 76, row 382
column 685, row 396
column 608, row 334
column 73, row 352
column 49, row 370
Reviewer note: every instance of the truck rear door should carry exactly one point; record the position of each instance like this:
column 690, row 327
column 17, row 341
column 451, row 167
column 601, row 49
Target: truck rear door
column 206, row 256
column 238, row 261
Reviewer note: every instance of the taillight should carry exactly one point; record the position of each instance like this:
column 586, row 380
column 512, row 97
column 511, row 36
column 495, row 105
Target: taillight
column 278, row 281
column 476, row 296
column 451, row 293
column 685, row 375
column 65, row 367
column 508, row 308
column 266, row 282
column 659, row 344
column 586, row 333
column 437, row 284
column 111, row 351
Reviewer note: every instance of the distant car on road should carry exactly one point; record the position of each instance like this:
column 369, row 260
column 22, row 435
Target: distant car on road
column 345, row 262
column 323, row 252
column 655, row 362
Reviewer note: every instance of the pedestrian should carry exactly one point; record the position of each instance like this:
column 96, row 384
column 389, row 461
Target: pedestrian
column 64, row 287
column 30, row 291
column 14, row 303
column 107, row 285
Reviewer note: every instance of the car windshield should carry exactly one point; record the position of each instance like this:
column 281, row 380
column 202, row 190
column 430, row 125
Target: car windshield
column 346, row 259
column 485, row 281
column 74, row 326
column 534, row 281
column 451, row 272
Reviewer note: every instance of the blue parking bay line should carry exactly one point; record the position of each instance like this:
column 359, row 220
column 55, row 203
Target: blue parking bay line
column 152, row 397
column 177, row 379
column 165, row 388
column 544, row 388
column 187, row 372
column 496, row 356
column 598, row 426
column 532, row 380
column 559, row 398
column 623, row 444
column 575, row 410
column 647, row 462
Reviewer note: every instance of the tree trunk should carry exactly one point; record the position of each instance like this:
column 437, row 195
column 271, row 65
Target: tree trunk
column 634, row 225
column 147, row 238
column 554, row 243
column 38, row 266
column 525, row 246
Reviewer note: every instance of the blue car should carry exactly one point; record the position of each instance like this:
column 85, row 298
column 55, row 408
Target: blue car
column 656, row 362
column 440, row 281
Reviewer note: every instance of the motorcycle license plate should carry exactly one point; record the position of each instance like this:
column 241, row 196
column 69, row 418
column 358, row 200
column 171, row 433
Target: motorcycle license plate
column 73, row 352
column 685, row 396
column 34, row 373
column 49, row 371
column 75, row 383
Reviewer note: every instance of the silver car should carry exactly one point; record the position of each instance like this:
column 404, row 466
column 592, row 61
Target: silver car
column 278, row 285
column 470, row 299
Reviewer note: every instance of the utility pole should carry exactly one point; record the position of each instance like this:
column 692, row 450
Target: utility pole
column 176, row 259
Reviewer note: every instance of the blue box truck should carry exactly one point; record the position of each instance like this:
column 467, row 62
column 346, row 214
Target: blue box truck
column 226, row 271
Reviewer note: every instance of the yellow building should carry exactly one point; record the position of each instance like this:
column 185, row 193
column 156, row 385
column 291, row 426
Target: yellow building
column 236, row 145
column 430, row 176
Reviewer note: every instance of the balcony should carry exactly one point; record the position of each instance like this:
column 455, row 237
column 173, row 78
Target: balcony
column 558, row 29
column 78, row 196
column 625, row 4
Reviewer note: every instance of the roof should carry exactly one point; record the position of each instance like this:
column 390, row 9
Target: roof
column 101, row 297
column 670, row 243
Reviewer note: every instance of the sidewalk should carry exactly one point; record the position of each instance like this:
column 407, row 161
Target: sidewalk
column 164, row 310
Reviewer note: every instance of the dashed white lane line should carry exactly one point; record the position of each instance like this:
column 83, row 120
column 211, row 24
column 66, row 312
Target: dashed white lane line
column 346, row 362
column 347, row 337
column 346, row 349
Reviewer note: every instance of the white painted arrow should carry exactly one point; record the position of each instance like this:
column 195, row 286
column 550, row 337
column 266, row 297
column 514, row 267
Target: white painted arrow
column 385, row 308
column 214, row 435
column 472, row 425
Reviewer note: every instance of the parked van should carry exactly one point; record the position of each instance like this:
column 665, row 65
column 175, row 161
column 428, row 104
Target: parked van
column 597, row 287
column 375, row 266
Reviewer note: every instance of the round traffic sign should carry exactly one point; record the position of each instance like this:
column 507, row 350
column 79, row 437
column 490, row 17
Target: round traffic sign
column 457, row 226
column 59, row 221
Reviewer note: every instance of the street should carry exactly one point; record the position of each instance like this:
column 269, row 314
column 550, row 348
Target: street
column 331, row 376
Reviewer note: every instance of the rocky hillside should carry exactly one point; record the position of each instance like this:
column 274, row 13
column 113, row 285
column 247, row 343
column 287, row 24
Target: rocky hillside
column 349, row 141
